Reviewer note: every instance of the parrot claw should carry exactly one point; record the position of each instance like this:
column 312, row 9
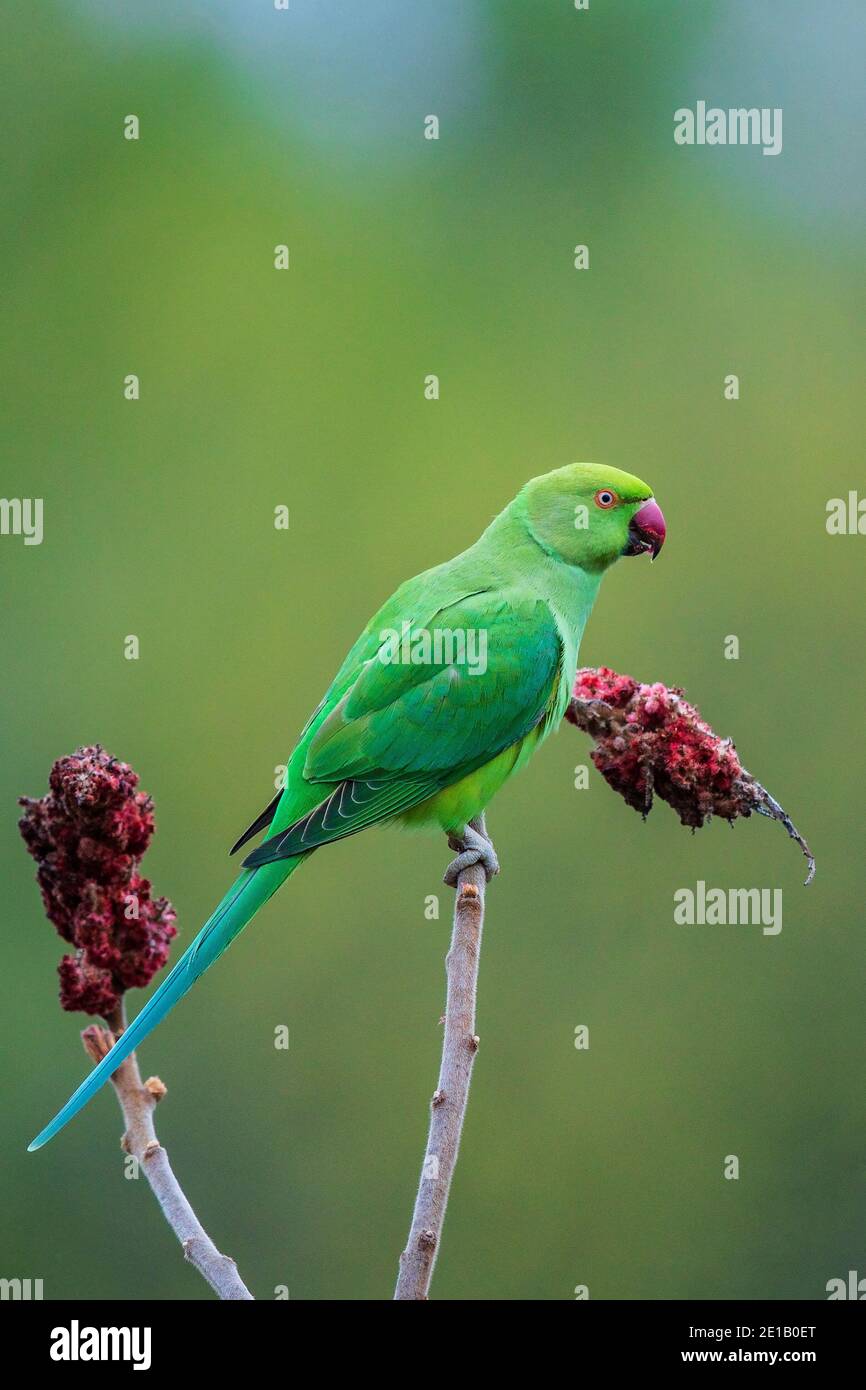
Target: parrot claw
column 474, row 848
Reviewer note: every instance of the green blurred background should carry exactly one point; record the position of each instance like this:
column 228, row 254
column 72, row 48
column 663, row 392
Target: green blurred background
column 305, row 388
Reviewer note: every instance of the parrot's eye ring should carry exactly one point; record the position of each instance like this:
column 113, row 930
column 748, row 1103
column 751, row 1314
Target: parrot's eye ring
column 605, row 498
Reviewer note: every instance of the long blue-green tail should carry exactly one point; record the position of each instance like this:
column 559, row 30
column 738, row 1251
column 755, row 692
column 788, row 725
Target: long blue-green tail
column 240, row 904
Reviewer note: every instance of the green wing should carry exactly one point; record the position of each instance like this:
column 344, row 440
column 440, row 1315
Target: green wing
column 401, row 731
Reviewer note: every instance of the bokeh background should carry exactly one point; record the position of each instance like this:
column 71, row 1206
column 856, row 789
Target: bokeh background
column 305, row 388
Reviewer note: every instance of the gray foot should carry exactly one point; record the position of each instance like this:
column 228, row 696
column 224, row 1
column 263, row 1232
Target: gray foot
column 474, row 848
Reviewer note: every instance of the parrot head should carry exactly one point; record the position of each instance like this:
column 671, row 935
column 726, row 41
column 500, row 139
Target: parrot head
column 590, row 515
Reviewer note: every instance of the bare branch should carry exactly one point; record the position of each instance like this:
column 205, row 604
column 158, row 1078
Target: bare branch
column 767, row 805
column 448, row 1105
column 137, row 1101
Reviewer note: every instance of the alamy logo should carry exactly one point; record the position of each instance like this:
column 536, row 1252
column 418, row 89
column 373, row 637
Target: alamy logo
column 438, row 646
column 22, row 516
column 20, row 1290
column 846, row 516
column 736, row 126
column 854, row 1287
column 76, row 1343
column 712, row 907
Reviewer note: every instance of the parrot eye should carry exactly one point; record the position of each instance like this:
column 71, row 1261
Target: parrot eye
column 606, row 498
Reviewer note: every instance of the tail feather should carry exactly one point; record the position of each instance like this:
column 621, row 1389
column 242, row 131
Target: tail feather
column 247, row 894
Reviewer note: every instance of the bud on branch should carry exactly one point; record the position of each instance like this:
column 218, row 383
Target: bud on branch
column 88, row 835
column 650, row 741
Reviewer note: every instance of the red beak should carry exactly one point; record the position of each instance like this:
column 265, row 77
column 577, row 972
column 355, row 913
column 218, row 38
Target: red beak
column 646, row 530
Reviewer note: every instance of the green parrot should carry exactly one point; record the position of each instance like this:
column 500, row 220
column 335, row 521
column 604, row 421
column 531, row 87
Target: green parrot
column 451, row 686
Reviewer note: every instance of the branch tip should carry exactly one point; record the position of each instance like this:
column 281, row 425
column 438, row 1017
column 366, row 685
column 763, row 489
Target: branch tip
column 97, row 1041
column 767, row 805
